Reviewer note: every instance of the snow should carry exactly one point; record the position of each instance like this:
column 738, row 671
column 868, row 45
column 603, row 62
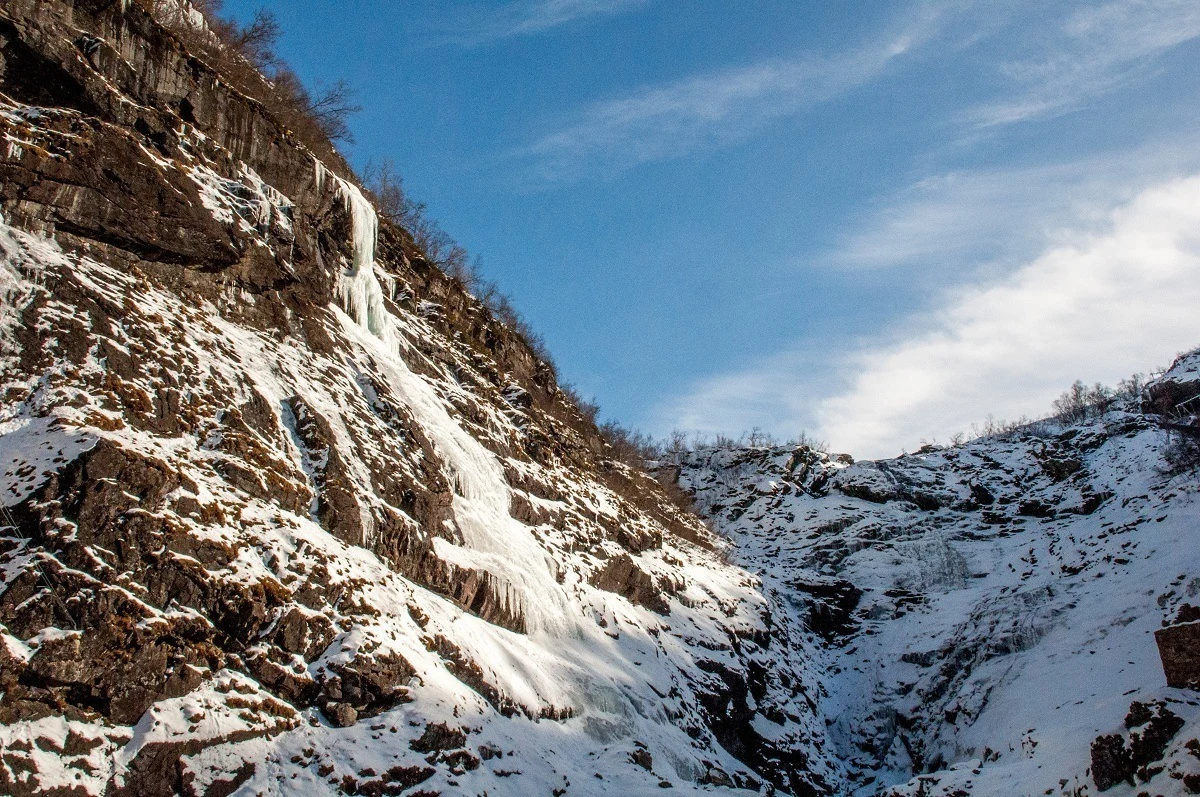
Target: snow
column 31, row 449
column 248, row 202
column 359, row 289
column 43, row 741
column 991, row 644
column 995, row 651
column 494, row 542
column 618, row 672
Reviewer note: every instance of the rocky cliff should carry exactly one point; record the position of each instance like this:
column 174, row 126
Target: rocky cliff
column 286, row 510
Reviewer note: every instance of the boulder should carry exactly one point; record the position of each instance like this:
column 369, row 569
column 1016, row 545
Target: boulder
column 1179, row 649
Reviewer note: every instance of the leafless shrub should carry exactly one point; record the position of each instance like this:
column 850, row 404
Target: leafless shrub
column 385, row 187
column 1133, row 387
column 331, row 106
column 675, row 443
column 679, row 442
column 998, row 427
column 629, row 445
column 254, row 41
column 757, row 438
column 1080, row 402
column 588, row 409
column 805, row 439
column 1182, row 452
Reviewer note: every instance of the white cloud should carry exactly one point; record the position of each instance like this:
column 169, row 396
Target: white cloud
column 526, row 17
column 1097, row 305
column 777, row 393
column 689, row 115
column 1093, row 51
column 1000, row 215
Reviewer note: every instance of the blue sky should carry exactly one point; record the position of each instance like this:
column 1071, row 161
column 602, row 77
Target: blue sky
column 877, row 222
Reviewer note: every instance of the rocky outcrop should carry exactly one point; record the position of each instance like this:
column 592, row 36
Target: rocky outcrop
column 1179, row 649
column 623, row 576
column 1131, row 758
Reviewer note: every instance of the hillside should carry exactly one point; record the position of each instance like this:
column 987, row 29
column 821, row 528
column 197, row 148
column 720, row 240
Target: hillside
column 983, row 613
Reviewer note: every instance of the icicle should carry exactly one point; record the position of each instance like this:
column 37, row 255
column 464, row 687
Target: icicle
column 359, row 290
column 319, row 172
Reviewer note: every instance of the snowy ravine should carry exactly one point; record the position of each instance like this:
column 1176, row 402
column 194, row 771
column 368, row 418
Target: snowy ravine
column 984, row 612
column 287, row 511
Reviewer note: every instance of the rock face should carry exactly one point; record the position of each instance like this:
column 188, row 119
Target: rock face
column 983, row 614
column 287, row 510
column 1179, row 648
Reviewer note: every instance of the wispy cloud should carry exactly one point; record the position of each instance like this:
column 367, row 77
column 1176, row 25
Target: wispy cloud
column 1098, row 303
column 1084, row 54
column 526, row 17
column 972, row 217
column 1092, row 52
column 680, row 118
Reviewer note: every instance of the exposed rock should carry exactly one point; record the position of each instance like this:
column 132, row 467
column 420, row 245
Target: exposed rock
column 833, row 601
column 1112, row 763
column 1179, row 649
column 623, row 576
column 395, row 780
column 438, row 737
column 342, row 715
column 868, row 483
column 1149, row 742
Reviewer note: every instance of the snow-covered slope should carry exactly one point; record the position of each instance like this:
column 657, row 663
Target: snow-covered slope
column 983, row 612
column 286, row 511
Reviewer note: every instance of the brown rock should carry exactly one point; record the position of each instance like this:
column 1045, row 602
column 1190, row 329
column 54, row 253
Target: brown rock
column 1149, row 744
column 622, row 575
column 304, row 633
column 439, row 736
column 371, row 684
column 341, row 714
column 1179, row 649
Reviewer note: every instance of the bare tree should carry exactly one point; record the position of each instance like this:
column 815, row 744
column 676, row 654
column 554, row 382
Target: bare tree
column 256, row 40
column 331, row 106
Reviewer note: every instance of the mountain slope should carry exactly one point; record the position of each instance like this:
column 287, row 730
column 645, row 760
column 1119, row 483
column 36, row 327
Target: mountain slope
column 983, row 612
column 287, row 511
